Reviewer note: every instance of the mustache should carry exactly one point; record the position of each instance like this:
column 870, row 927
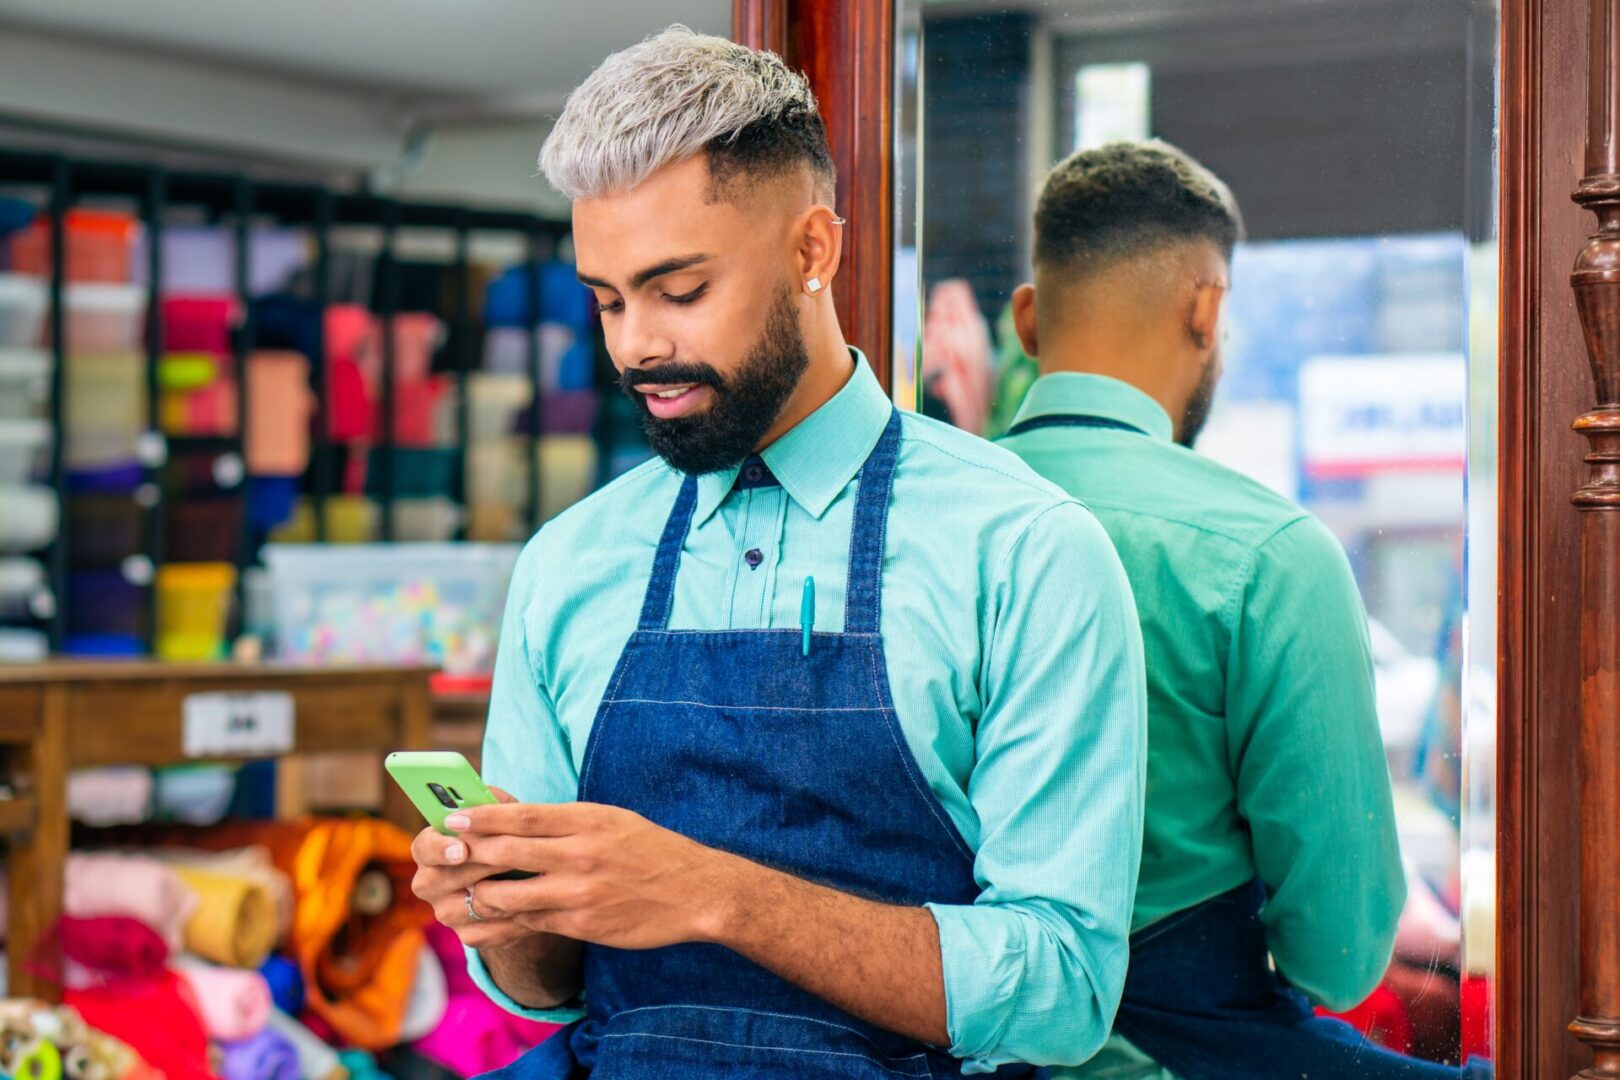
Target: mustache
column 674, row 373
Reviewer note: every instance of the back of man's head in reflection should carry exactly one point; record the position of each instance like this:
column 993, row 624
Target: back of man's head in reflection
column 1133, row 249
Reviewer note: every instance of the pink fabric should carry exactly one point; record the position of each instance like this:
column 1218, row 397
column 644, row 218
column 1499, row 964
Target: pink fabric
column 477, row 1036
column 235, row 1004
column 958, row 365
column 139, row 888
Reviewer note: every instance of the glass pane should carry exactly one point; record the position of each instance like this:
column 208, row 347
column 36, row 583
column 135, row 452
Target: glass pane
column 1357, row 377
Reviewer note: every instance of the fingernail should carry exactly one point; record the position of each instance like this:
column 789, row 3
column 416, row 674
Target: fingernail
column 455, row 852
column 457, row 822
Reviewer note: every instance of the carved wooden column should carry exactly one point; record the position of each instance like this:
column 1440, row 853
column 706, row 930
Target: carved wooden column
column 1596, row 281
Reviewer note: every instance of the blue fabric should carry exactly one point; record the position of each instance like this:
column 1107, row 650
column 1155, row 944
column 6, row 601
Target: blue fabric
column 1202, row 1000
column 286, row 984
column 562, row 298
column 737, row 740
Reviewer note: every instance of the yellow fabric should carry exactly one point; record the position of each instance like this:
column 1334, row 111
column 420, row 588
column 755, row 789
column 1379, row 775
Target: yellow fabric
column 235, row 921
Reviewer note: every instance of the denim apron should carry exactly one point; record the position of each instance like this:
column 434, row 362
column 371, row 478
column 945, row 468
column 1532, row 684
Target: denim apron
column 737, row 740
column 1202, row 1000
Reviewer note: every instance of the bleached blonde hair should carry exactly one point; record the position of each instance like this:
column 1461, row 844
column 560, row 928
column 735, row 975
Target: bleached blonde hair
column 678, row 94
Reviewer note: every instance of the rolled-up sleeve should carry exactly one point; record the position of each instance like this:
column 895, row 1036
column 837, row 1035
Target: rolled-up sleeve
column 525, row 752
column 1035, row 967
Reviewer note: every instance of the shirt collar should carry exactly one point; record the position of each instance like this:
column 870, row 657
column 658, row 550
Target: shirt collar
column 1077, row 393
column 816, row 458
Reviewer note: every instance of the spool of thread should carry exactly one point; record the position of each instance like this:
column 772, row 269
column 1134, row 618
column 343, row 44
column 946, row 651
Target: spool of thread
column 235, row 920
column 373, row 893
column 41, row 1061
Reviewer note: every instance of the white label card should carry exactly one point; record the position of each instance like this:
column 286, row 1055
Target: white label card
column 257, row 724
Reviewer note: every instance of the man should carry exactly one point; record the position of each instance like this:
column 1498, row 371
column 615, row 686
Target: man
column 858, row 792
column 1270, row 827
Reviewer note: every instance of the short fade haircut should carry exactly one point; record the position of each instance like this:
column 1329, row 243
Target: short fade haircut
column 679, row 94
column 1129, row 199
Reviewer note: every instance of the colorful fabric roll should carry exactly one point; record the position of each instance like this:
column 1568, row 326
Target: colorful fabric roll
column 266, row 1056
column 194, row 794
column 159, row 1019
column 286, row 984
column 430, row 996
column 116, row 795
column 113, row 946
column 477, row 1036
column 132, row 886
column 361, row 1065
column 357, row 969
column 235, row 1004
column 235, row 920
column 317, row 1060
column 252, row 863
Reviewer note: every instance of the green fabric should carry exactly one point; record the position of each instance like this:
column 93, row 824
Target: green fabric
column 1264, row 753
column 1023, row 704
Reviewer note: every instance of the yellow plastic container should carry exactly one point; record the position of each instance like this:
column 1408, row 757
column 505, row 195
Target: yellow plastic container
column 350, row 519
column 194, row 604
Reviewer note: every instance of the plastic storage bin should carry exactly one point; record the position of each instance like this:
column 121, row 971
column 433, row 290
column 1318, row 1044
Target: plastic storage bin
column 23, row 302
column 25, row 382
column 202, row 258
column 350, row 519
column 391, row 603
column 194, row 604
column 25, row 451
column 100, row 246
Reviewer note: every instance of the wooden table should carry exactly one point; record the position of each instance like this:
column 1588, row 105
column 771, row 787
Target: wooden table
column 63, row 715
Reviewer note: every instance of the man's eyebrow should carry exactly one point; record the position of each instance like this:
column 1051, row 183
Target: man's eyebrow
column 641, row 277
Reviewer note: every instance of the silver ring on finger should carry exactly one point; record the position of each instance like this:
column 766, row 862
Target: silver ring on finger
column 471, row 910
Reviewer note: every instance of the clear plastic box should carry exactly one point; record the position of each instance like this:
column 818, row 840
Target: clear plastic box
column 390, row 603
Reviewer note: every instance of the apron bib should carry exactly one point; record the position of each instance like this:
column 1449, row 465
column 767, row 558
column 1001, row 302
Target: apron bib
column 739, row 741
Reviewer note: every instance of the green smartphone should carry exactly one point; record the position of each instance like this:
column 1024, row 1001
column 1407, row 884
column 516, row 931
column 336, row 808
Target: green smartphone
column 440, row 782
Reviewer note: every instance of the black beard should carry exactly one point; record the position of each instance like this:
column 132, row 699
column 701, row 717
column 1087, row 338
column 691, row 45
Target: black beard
column 743, row 407
column 1194, row 416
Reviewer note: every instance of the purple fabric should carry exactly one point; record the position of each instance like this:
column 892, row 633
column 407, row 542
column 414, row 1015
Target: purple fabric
column 266, row 1056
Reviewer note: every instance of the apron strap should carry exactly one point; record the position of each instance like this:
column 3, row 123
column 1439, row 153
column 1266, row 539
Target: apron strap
column 863, row 594
column 660, row 598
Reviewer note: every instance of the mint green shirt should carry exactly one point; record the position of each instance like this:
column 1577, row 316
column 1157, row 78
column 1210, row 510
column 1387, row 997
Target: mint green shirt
column 1014, row 656
column 1264, row 753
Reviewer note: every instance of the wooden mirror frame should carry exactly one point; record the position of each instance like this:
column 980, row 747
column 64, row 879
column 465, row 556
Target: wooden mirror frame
column 1545, row 978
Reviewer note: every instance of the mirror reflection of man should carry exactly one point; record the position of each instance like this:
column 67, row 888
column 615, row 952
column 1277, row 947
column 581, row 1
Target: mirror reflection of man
column 1270, row 830
column 885, row 824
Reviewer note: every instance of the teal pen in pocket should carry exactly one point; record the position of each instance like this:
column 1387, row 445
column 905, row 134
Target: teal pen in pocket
column 807, row 611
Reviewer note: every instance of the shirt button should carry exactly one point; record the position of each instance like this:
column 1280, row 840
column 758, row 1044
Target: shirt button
column 753, row 474
column 754, row 557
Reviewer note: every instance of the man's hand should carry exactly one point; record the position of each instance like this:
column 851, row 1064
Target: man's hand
column 607, row 875
column 443, row 875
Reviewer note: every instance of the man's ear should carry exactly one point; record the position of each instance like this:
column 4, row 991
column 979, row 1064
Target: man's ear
column 1023, row 312
column 821, row 248
column 1204, row 322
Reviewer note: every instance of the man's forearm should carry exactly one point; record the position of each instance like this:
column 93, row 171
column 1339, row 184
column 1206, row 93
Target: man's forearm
column 880, row 962
column 541, row 971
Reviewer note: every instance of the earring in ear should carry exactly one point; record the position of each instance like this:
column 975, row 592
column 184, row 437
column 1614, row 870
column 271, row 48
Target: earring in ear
column 813, row 286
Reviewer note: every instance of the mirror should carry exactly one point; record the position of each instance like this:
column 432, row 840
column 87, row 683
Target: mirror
column 1358, row 353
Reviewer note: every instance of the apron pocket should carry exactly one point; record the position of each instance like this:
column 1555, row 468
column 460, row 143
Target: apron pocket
column 689, row 1041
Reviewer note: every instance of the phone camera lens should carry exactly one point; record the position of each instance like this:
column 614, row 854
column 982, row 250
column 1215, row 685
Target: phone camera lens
column 456, row 795
column 442, row 795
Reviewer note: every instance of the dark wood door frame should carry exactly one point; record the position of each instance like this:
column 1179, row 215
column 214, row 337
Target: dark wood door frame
column 847, row 48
